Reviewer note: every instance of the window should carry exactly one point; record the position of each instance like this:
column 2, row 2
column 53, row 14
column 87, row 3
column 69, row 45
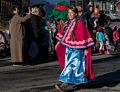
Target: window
column 72, row 3
column 79, row 3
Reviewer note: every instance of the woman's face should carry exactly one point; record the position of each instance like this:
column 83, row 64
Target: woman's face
column 91, row 9
column 71, row 14
column 15, row 11
column 35, row 10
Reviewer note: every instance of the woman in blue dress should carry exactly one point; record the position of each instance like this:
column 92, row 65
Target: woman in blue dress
column 78, row 41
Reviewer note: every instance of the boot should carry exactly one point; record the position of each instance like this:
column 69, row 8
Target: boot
column 103, row 52
column 107, row 52
column 61, row 87
column 100, row 52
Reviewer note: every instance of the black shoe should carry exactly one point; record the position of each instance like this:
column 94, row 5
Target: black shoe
column 17, row 64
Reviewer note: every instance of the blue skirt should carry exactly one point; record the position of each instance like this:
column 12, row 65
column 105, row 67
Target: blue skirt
column 74, row 69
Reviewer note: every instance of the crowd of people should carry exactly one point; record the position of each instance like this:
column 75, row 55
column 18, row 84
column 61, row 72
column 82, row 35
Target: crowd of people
column 36, row 31
column 28, row 36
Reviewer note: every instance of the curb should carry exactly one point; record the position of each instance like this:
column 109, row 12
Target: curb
column 95, row 58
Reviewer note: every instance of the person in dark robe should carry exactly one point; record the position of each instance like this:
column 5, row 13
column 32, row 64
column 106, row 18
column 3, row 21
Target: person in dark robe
column 39, row 32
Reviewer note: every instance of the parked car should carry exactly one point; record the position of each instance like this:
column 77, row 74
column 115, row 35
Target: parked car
column 112, row 14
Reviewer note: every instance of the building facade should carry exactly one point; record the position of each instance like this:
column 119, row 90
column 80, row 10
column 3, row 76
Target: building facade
column 6, row 4
column 82, row 3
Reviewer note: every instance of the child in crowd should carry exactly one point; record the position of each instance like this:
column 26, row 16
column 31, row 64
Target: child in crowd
column 101, row 39
column 115, row 37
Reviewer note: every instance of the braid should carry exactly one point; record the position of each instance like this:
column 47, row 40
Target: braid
column 73, row 31
column 65, row 27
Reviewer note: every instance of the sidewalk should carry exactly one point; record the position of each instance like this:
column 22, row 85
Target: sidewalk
column 95, row 58
column 4, row 61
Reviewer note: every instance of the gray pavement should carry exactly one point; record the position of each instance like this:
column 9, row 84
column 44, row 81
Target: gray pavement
column 95, row 57
column 106, row 81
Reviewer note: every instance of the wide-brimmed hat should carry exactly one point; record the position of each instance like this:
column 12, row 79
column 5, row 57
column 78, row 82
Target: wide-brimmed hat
column 60, row 11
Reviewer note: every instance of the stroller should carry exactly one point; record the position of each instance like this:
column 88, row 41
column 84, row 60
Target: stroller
column 4, row 44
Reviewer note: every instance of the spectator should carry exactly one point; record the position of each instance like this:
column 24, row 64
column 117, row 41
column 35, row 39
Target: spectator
column 17, row 34
column 101, row 39
column 39, row 33
column 116, row 38
column 88, row 16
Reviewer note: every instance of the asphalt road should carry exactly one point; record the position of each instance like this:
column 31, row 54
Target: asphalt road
column 42, row 77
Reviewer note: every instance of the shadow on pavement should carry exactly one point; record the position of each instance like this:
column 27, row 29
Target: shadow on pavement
column 107, row 80
column 40, row 61
column 103, row 58
column 6, row 60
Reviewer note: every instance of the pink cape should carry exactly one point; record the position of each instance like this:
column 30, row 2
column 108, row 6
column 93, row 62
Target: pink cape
column 83, row 40
column 89, row 73
column 60, row 50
